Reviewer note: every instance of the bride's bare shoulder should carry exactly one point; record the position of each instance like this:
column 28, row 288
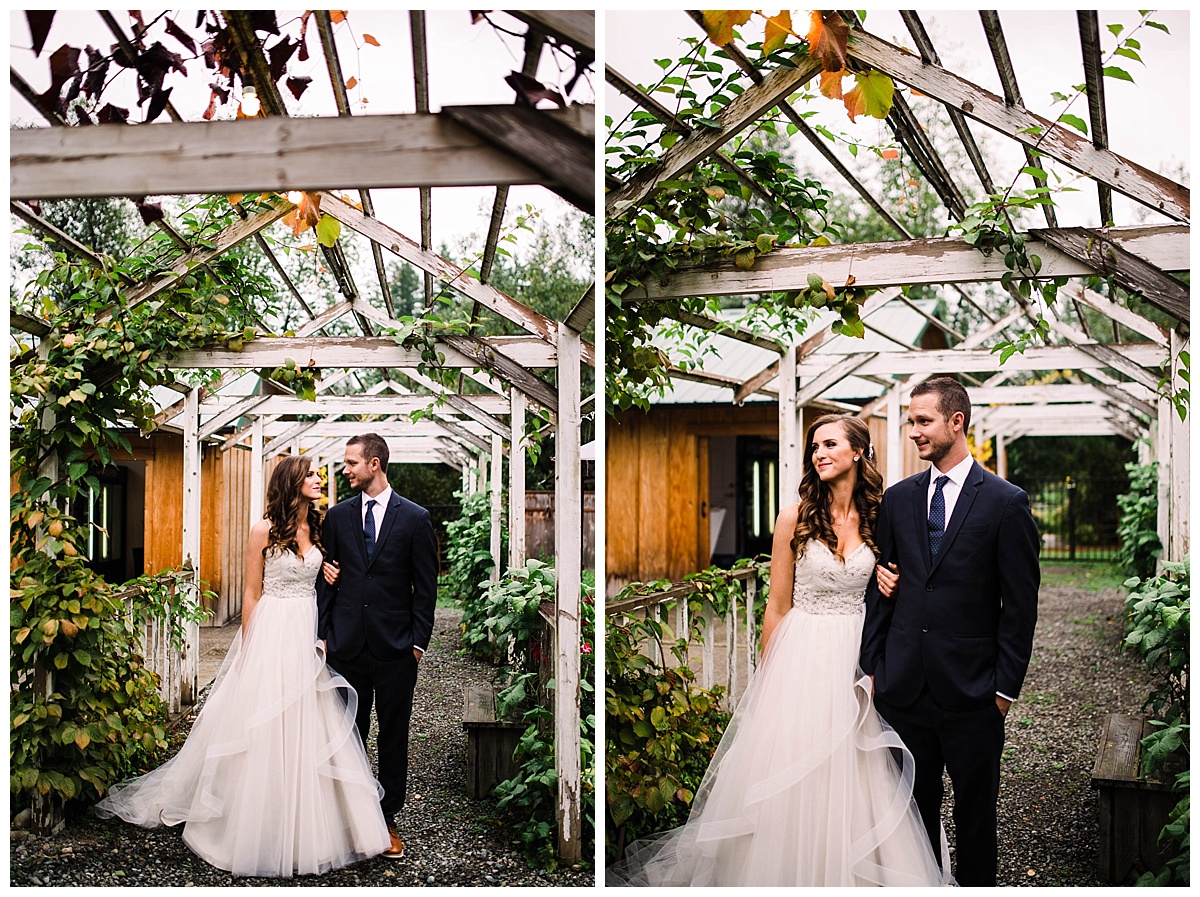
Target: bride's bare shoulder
column 787, row 518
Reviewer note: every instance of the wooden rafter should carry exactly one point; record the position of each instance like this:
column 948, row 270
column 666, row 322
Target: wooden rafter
column 576, row 27
column 743, row 110
column 903, row 262
column 1012, row 93
column 1133, row 271
column 1060, row 143
column 1093, row 74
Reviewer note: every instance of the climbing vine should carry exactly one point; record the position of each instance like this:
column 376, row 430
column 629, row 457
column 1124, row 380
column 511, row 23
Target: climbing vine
column 84, row 708
column 711, row 213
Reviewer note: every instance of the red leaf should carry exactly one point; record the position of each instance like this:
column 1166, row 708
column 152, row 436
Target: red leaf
column 297, row 84
column 180, row 35
column 279, row 55
column 39, row 27
column 212, row 107
column 827, row 39
column 530, row 90
column 371, row 40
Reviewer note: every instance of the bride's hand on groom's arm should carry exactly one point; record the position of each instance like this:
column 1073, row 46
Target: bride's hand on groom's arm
column 332, row 571
column 887, row 578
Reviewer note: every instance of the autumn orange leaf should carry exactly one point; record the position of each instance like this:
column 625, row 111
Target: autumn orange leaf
column 719, row 23
column 827, row 37
column 778, row 29
column 890, row 154
column 831, row 84
column 370, row 39
column 350, row 84
column 337, row 15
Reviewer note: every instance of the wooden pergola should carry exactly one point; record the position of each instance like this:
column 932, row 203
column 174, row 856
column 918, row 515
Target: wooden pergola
column 1114, row 385
column 496, row 146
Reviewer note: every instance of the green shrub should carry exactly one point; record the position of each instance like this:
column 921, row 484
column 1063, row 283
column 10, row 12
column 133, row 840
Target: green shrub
column 1159, row 629
column 1138, row 525
column 530, row 798
column 469, row 555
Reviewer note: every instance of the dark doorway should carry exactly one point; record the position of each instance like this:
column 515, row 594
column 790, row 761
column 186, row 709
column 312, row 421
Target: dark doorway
column 757, row 493
column 102, row 513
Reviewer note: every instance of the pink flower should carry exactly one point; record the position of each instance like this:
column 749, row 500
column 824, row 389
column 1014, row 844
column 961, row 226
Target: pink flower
column 585, row 648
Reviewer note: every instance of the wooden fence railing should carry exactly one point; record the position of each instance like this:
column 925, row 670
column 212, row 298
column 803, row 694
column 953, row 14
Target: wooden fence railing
column 178, row 668
column 740, row 648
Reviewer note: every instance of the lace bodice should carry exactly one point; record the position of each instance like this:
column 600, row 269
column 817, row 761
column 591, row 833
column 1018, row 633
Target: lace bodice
column 824, row 585
column 287, row 576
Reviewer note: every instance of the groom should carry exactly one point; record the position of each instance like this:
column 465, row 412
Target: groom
column 948, row 652
column 377, row 617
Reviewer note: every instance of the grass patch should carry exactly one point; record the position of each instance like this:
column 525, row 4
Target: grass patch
column 1092, row 576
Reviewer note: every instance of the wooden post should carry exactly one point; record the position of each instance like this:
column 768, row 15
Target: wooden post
column 1001, row 456
column 46, row 810
column 568, row 529
column 257, row 472
column 182, row 686
column 790, row 466
column 895, row 452
column 1180, row 541
column 496, row 481
column 516, row 482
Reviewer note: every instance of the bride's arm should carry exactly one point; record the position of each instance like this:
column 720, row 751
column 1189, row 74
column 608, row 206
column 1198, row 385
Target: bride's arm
column 254, row 570
column 783, row 572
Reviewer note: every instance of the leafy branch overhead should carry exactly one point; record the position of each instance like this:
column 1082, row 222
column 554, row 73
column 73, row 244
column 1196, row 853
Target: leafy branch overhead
column 826, row 41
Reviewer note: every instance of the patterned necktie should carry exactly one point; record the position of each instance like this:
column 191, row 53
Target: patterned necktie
column 937, row 517
column 369, row 528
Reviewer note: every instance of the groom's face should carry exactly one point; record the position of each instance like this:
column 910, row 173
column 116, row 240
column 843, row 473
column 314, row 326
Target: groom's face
column 933, row 435
column 358, row 470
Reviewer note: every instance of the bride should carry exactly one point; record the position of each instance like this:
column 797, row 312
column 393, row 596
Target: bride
column 272, row 779
column 803, row 789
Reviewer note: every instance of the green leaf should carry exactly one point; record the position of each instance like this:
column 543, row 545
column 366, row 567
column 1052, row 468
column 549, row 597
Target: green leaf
column 1120, row 74
column 1075, row 122
column 328, row 230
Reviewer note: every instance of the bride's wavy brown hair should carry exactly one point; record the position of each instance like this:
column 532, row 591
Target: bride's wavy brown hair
column 284, row 503
column 814, row 520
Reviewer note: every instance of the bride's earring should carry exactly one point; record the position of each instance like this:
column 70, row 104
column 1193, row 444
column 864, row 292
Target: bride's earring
column 856, row 457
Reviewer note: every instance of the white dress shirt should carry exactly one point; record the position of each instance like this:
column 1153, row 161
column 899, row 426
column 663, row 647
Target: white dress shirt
column 950, row 492
column 381, row 502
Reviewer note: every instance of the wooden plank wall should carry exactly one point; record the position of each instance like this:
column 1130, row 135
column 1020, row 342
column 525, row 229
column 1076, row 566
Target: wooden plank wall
column 235, row 532
column 655, row 470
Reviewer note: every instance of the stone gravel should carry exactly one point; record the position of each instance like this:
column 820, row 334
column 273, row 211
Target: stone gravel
column 1048, row 817
column 450, row 840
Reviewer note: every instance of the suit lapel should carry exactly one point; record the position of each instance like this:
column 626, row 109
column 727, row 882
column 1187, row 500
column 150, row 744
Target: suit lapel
column 921, row 512
column 962, row 507
column 359, row 538
column 390, row 513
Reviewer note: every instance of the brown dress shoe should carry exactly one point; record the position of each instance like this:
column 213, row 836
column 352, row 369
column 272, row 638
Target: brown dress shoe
column 396, row 851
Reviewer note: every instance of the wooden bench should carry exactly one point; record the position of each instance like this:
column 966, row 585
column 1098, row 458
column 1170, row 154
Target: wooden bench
column 1132, row 810
column 490, row 741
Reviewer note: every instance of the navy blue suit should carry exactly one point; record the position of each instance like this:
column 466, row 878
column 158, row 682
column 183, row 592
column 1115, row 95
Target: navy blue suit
column 379, row 610
column 958, row 630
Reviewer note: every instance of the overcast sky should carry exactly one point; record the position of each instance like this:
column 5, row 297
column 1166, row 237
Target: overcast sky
column 467, row 65
column 1149, row 121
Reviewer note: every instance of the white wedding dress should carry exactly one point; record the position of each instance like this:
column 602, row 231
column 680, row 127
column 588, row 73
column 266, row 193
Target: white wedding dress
column 803, row 789
column 272, row 779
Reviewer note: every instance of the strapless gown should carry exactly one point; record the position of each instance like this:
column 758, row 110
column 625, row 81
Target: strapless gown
column 273, row 779
column 803, row 789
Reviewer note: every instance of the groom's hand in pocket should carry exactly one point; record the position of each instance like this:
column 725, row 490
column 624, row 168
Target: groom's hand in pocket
column 1003, row 704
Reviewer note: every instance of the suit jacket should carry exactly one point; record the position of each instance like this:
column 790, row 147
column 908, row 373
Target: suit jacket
column 964, row 623
column 387, row 603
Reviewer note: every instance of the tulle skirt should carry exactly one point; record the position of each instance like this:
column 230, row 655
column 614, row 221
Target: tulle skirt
column 273, row 779
column 803, row 789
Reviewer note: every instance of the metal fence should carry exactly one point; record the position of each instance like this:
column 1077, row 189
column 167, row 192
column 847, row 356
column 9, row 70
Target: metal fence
column 1076, row 516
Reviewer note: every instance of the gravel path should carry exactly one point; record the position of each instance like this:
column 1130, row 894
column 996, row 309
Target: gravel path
column 1048, row 823
column 449, row 839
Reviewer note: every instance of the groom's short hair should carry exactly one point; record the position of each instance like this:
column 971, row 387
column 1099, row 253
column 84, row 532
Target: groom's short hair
column 373, row 446
column 951, row 397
